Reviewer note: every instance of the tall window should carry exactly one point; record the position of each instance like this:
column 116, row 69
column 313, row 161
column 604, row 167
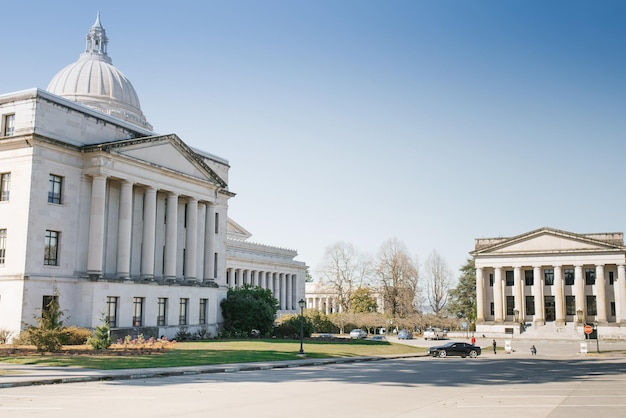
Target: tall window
column 548, row 276
column 55, row 184
column 217, row 223
column 182, row 314
column 9, row 125
column 491, row 308
column 215, row 265
column 137, row 312
column 3, row 245
column 510, row 281
column 111, row 317
column 530, row 305
column 611, row 278
column 612, row 308
column 51, row 249
column 47, row 301
column 570, row 305
column 162, row 312
column 204, row 305
column 510, row 305
column 5, row 186
column 591, row 305
column 529, row 277
column 490, row 279
column 590, row 276
column 568, row 274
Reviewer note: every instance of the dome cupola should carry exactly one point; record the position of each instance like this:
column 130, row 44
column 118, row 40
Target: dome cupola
column 96, row 83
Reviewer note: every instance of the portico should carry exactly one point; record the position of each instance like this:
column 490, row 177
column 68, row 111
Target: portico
column 548, row 276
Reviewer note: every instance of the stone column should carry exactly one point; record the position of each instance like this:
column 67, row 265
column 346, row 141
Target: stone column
column 620, row 294
column 579, row 291
column 289, row 291
column 480, row 296
column 148, row 234
column 124, row 229
column 96, row 226
column 600, row 295
column 171, row 237
column 559, row 296
column 282, row 283
column 209, row 243
column 497, row 295
column 191, row 243
column 518, row 292
column 540, row 315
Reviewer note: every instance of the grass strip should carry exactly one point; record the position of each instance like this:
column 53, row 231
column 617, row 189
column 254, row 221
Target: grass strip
column 216, row 352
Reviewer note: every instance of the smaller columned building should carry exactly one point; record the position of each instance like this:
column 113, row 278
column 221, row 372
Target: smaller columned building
column 551, row 281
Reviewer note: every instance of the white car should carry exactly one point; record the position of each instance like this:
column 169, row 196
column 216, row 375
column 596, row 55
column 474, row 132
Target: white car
column 434, row 334
column 358, row 334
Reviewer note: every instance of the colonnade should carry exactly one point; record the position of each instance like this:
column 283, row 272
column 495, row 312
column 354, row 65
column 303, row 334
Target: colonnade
column 326, row 304
column 549, row 283
column 199, row 256
column 282, row 285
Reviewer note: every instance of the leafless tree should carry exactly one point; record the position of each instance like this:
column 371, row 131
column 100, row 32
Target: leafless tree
column 397, row 274
column 343, row 270
column 437, row 282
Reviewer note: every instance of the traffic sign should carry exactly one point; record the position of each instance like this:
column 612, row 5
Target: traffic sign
column 588, row 329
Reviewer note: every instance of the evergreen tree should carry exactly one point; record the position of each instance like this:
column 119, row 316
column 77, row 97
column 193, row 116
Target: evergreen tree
column 49, row 333
column 462, row 303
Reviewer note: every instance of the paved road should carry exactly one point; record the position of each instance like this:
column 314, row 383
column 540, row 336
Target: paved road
column 491, row 386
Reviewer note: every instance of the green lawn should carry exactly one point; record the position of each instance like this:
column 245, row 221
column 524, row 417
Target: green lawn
column 219, row 352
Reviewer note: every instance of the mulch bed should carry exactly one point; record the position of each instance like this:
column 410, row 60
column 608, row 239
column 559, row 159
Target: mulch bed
column 79, row 350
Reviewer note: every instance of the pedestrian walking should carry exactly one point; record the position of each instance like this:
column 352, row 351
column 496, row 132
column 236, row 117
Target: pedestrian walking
column 533, row 350
column 494, row 346
column 473, row 340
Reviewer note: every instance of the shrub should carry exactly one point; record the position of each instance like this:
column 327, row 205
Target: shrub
column 75, row 335
column 5, row 334
column 290, row 328
column 23, row 338
column 183, row 335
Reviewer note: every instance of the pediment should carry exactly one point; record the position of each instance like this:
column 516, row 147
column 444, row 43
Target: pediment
column 168, row 152
column 236, row 231
column 548, row 241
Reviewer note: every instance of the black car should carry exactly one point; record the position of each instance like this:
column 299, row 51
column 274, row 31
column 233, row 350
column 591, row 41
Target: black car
column 455, row 349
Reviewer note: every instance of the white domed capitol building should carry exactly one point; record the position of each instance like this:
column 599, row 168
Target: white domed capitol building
column 115, row 220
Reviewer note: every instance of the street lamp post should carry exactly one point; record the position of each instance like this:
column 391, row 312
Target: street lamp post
column 301, row 303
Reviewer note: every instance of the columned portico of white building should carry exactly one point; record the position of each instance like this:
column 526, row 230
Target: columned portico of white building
column 550, row 277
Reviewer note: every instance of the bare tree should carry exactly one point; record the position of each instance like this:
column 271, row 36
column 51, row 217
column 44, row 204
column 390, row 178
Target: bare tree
column 437, row 282
column 397, row 274
column 343, row 271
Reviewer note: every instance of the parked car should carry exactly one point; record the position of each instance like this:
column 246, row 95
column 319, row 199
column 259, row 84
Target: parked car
column 358, row 334
column 378, row 338
column 434, row 334
column 325, row 335
column 455, row 349
column 405, row 334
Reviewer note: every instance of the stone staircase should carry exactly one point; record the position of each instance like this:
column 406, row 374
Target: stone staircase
column 550, row 331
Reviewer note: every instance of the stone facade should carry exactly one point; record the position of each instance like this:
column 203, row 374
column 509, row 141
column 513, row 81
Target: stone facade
column 117, row 221
column 553, row 278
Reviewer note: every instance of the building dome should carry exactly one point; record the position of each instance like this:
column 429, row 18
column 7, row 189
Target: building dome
column 95, row 82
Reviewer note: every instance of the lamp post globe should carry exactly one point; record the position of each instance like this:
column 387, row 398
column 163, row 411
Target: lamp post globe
column 302, row 304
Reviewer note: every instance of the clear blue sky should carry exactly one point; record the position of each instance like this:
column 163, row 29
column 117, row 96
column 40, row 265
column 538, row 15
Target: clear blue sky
column 434, row 122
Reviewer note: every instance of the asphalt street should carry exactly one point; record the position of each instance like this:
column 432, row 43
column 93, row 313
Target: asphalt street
column 554, row 383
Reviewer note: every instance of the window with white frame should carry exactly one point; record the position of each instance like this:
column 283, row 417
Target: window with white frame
column 51, row 248
column 8, row 125
column 182, row 313
column 204, row 305
column 5, row 186
column 137, row 312
column 111, row 317
column 162, row 312
column 3, row 246
column 55, row 186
